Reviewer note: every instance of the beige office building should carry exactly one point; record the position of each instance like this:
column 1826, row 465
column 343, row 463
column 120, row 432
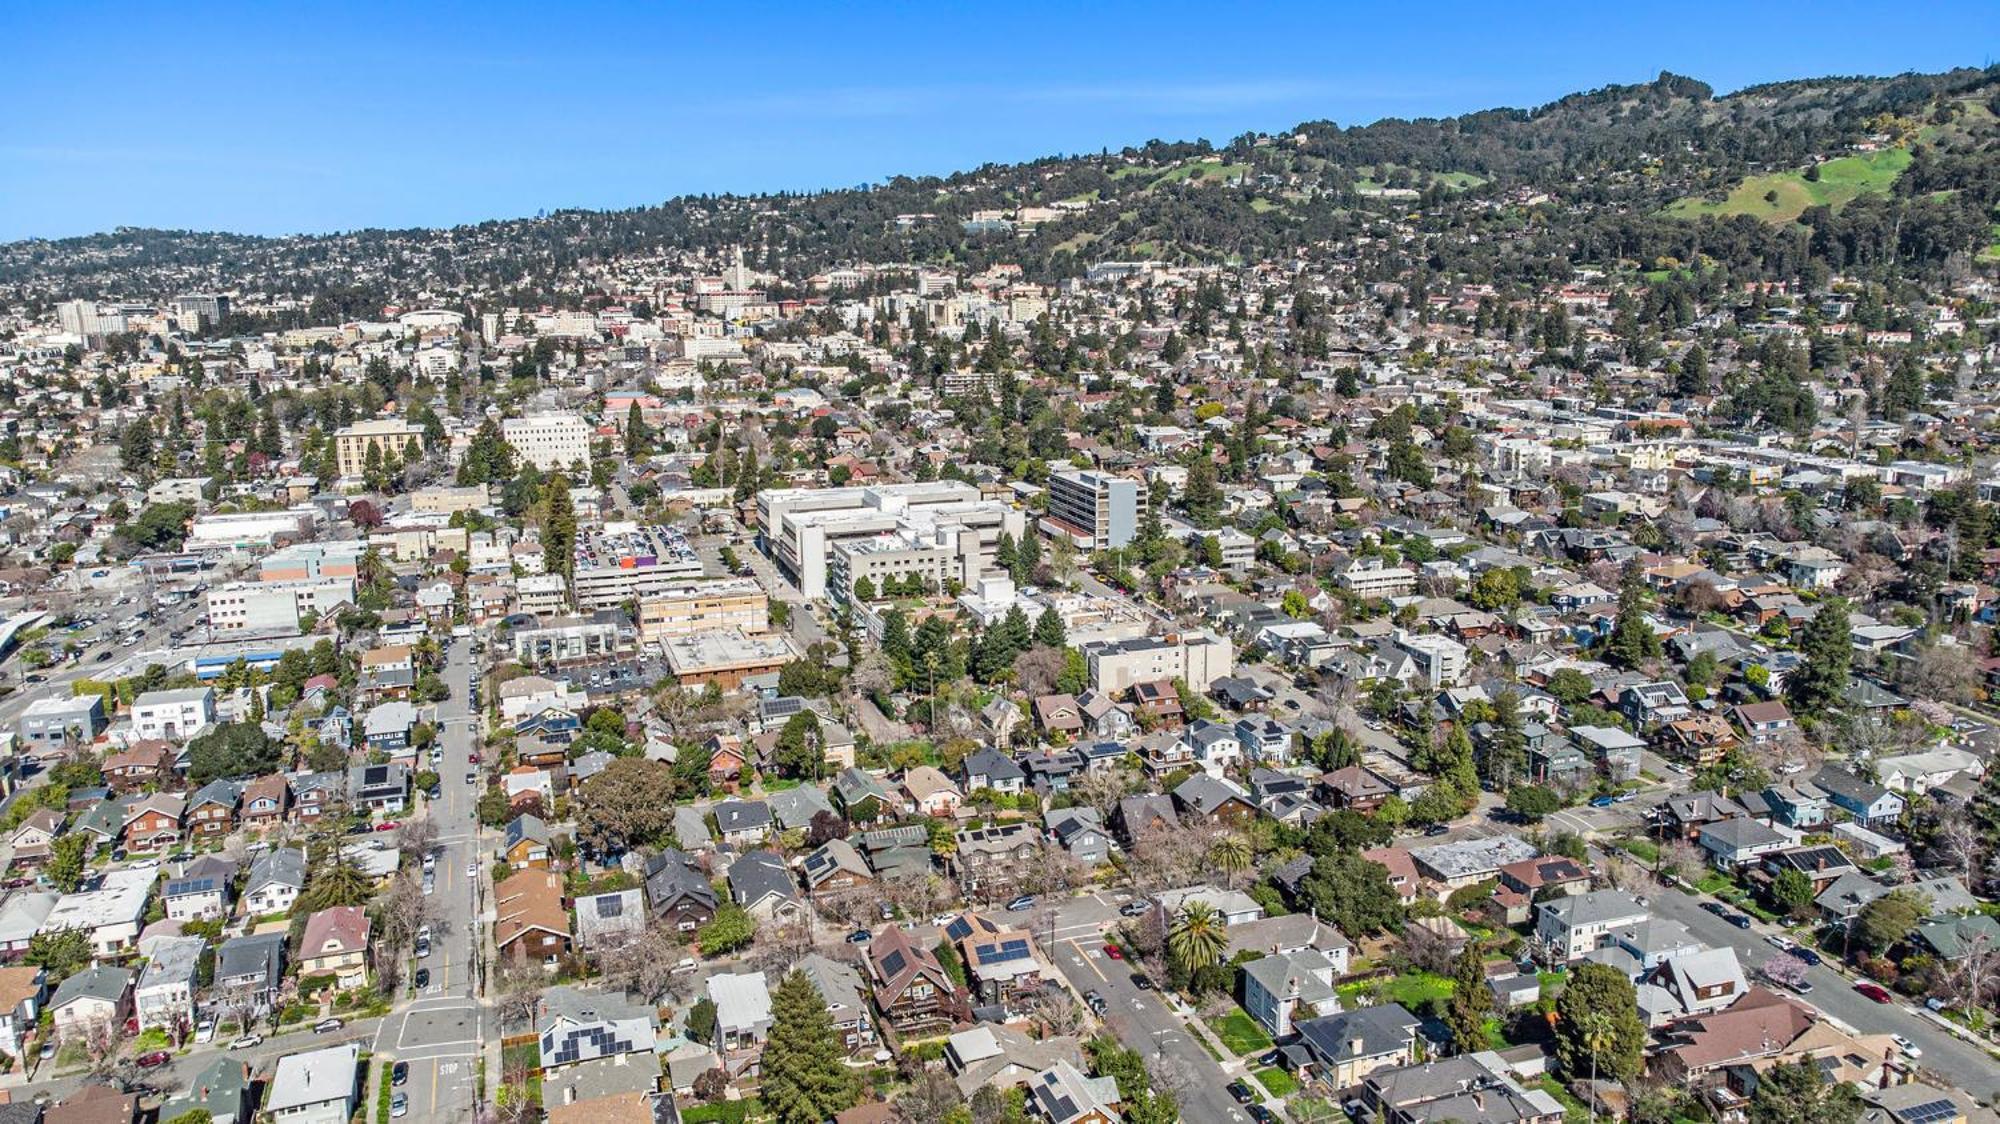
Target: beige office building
column 738, row 603
column 391, row 435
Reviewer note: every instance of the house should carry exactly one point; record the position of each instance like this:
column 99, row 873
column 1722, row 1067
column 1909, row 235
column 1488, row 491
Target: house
column 1477, row 1086
column 1104, row 717
column 387, row 727
column 1000, row 962
column 1868, row 802
column 211, row 811
column 846, row 1003
column 1061, row 1094
column 315, row 1086
column 861, row 794
column 335, row 727
column 314, row 793
column 1695, row 983
column 90, row 999
column 1764, row 722
column 1346, row 1047
column 1278, row 988
column 760, row 882
column 381, row 788
column 1568, row 927
column 1933, row 768
column 984, row 855
column 153, row 822
column 220, row 1088
column 201, row 890
column 111, row 912
column 164, row 994
column 1234, row 907
column 265, row 800
column 677, row 892
column 1058, row 716
column 22, row 915
column 1401, row 869
column 1464, row 863
column 531, row 921
column 1739, row 842
column 928, row 791
column 1216, row 799
column 742, row 1015
column 1158, row 703
column 1213, row 746
column 1701, row 739
column 576, row 1027
column 1080, row 831
column 1685, row 814
column 1005, row 1058
column 275, row 881
column 336, row 943
column 1796, row 804
column 1618, row 754
column 145, row 763
column 94, row 1103
column 988, row 768
column 1356, row 788
column 1264, row 739
column 23, row 989
column 525, row 843
column 914, row 994
column 743, row 823
column 175, row 716
column 35, row 838
column 836, row 868
column 609, row 919
column 248, row 973
column 1655, row 703
column 1147, row 812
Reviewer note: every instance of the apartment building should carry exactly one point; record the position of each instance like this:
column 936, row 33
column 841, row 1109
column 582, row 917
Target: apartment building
column 699, row 606
column 390, row 435
column 273, row 607
column 802, row 526
column 548, row 441
column 248, row 530
column 1197, row 658
column 1095, row 510
column 1440, row 659
column 313, row 561
column 175, row 715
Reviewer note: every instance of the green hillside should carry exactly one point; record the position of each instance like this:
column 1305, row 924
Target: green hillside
column 1784, row 196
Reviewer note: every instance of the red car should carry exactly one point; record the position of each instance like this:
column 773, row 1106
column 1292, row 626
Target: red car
column 473, row 758
column 387, row 825
column 1114, row 952
column 1873, row 991
column 154, row 1059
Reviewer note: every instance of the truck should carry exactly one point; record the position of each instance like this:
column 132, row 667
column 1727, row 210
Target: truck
column 461, row 631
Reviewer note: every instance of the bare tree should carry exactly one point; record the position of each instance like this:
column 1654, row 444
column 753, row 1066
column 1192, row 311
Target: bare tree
column 1102, row 789
column 918, row 893
column 931, row 1099
column 644, row 965
column 517, row 994
column 1974, row 975
column 1037, row 669
column 778, row 947
column 1056, row 1011
column 415, row 838
column 1426, row 949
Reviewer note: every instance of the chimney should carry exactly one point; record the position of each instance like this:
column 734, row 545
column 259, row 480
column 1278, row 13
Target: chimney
column 1354, row 1047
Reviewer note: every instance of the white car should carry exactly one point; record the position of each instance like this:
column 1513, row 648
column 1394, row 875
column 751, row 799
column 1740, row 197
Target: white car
column 1906, row 1046
column 1780, row 942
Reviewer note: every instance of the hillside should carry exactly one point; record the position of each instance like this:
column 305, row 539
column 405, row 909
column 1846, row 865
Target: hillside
column 1614, row 172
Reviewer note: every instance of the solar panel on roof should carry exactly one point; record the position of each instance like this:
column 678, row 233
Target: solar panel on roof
column 959, row 929
column 892, row 964
column 610, row 905
column 1930, row 1112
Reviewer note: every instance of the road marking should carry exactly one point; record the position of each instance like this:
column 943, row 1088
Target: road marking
column 1085, row 960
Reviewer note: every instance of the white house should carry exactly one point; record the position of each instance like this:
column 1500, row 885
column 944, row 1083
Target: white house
column 174, row 716
column 1575, row 924
column 315, row 1087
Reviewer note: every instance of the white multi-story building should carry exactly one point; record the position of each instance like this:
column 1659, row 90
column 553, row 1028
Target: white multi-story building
column 1095, row 510
column 165, row 995
column 549, row 441
column 1439, row 659
column 802, row 526
column 246, row 530
column 175, row 715
column 273, row 608
column 1197, row 658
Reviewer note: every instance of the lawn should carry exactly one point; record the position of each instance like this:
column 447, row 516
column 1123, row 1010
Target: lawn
column 1783, row 196
column 1714, row 883
column 1644, row 849
column 1240, row 1033
column 1412, row 990
column 1277, row 1082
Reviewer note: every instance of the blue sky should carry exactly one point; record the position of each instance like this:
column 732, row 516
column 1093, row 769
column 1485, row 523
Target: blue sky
column 272, row 118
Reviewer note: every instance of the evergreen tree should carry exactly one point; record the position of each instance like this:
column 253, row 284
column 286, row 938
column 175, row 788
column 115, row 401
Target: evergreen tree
column 1826, row 646
column 806, row 1079
column 1471, row 1001
column 1633, row 640
column 1049, row 630
column 558, row 527
column 637, row 439
column 1027, row 558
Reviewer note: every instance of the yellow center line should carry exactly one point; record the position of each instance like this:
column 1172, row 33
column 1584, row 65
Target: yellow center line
column 1087, row 961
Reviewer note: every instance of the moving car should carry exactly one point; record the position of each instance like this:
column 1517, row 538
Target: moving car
column 156, row 1059
column 328, row 1026
column 1873, row 991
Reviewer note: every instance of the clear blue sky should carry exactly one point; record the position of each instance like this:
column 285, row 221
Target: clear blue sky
column 279, row 117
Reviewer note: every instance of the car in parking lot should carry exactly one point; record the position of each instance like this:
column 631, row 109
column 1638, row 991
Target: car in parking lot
column 860, row 936
column 1114, row 952
column 399, row 1105
column 1141, row 981
column 1133, row 909
column 1874, row 991
column 399, row 1073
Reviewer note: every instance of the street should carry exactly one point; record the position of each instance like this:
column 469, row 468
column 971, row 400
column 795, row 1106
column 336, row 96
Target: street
column 1142, row 1020
column 439, row 1032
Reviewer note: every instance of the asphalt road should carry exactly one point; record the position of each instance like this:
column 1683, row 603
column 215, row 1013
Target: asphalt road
column 1958, row 1062
column 439, row 1032
column 1142, row 1020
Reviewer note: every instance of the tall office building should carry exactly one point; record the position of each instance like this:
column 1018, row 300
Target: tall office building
column 391, row 435
column 1094, row 510
column 549, row 441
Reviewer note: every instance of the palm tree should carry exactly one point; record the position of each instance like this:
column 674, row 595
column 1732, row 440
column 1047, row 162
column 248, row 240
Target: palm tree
column 1230, row 854
column 1197, row 938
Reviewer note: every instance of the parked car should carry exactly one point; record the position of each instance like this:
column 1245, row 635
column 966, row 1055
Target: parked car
column 399, row 1105
column 1783, row 943
column 860, row 936
column 328, row 1026
column 247, row 1042
column 1094, row 1001
column 1602, row 801
column 1739, row 920
column 1906, row 1046
column 1241, row 1092
column 1807, row 955
column 1141, row 981
column 1874, row 991
column 1934, row 1005
column 1437, row 829
column 1114, row 952
column 1022, row 903
column 399, row 1073
column 1134, row 909
column 154, row 1059
column 422, row 979
column 1260, row 1114
column 1716, row 908
column 387, row 825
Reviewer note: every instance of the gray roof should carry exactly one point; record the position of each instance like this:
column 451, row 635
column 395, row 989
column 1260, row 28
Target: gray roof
column 247, row 956
column 759, row 875
column 1380, row 1030
column 1598, row 907
column 103, row 983
column 285, row 866
column 742, row 815
column 795, row 807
